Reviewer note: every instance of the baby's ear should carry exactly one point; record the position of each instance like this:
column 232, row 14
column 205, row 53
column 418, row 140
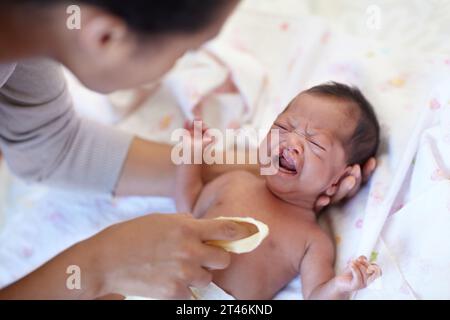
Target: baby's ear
column 331, row 190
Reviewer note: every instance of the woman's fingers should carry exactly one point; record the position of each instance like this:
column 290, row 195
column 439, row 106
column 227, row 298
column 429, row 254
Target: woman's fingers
column 345, row 186
column 369, row 168
column 355, row 173
column 331, row 191
column 321, row 203
column 201, row 279
column 222, row 230
column 214, row 258
column 348, row 186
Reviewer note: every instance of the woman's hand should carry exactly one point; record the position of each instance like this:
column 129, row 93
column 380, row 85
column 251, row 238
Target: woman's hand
column 161, row 256
column 156, row 256
column 348, row 186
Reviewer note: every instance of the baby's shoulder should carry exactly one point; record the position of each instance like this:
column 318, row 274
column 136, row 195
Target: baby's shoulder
column 240, row 175
column 309, row 240
column 230, row 180
column 236, row 177
column 319, row 237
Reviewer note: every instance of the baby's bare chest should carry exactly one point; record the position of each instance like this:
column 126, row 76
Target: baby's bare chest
column 248, row 197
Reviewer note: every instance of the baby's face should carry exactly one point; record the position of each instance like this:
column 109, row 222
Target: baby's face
column 313, row 132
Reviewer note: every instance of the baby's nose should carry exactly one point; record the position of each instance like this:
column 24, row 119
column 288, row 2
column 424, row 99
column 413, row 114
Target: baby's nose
column 295, row 145
column 295, row 149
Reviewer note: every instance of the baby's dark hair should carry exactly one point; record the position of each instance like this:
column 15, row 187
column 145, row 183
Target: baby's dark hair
column 365, row 139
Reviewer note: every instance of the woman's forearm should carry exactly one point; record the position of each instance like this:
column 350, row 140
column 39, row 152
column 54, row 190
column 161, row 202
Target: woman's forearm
column 58, row 278
column 149, row 170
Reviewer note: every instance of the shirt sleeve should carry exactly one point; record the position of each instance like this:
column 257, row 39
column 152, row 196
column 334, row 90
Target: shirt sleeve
column 44, row 140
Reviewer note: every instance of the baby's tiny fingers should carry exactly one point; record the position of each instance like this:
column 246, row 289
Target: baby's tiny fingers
column 187, row 124
column 205, row 131
column 362, row 268
column 355, row 273
column 357, row 276
column 374, row 269
column 373, row 277
column 364, row 276
column 363, row 260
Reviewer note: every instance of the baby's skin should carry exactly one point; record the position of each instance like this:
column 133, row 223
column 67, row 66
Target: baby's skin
column 311, row 162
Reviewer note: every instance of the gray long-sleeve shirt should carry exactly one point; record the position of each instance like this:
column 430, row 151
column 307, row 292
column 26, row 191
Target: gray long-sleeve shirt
column 42, row 138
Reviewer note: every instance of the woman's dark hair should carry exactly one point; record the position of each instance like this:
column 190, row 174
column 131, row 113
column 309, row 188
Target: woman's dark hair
column 152, row 17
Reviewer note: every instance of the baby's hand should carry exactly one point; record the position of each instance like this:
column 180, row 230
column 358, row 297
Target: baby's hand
column 358, row 275
column 202, row 134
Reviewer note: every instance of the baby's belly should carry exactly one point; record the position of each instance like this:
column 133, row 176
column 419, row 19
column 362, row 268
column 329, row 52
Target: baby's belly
column 261, row 273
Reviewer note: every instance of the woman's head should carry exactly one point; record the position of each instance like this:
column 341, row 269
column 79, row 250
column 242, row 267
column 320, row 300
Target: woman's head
column 122, row 44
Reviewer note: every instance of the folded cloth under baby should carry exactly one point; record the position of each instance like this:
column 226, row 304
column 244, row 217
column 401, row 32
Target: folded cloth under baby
column 225, row 80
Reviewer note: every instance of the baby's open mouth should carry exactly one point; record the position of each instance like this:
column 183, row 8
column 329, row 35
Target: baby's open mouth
column 287, row 163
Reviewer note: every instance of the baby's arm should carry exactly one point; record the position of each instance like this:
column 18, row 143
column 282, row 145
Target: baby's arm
column 188, row 187
column 189, row 182
column 318, row 277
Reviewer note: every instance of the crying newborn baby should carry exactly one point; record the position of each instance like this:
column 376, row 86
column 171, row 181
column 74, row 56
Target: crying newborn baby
column 322, row 133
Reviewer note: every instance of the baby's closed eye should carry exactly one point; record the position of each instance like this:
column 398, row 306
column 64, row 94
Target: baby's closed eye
column 317, row 145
